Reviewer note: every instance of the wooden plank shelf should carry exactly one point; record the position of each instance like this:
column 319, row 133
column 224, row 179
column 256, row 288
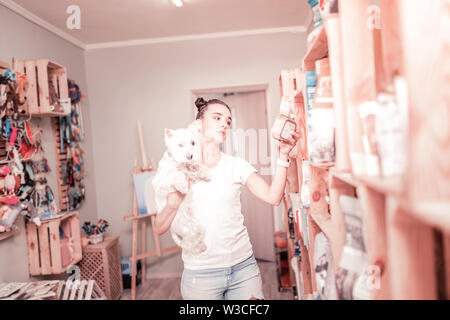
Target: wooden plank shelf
column 384, row 185
column 323, row 220
column 326, row 165
column 405, row 219
column 6, row 235
column 343, row 177
column 436, row 214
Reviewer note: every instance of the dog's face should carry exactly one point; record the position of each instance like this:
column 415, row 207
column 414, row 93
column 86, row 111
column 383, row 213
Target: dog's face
column 184, row 144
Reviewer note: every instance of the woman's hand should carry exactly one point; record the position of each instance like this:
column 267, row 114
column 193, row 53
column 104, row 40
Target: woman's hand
column 164, row 219
column 286, row 146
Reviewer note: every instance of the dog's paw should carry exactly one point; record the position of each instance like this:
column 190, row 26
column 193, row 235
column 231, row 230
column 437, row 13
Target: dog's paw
column 182, row 186
column 204, row 174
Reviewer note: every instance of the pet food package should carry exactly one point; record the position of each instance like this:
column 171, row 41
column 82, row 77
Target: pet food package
column 391, row 130
column 350, row 277
column 296, row 207
column 305, row 184
column 321, row 131
column 283, row 128
column 310, row 89
column 327, row 7
column 368, row 114
column 324, row 268
column 317, row 19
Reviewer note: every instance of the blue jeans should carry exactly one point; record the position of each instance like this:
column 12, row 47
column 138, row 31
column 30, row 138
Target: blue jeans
column 239, row 282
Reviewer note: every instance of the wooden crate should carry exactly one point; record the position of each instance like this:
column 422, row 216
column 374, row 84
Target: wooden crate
column 101, row 262
column 39, row 72
column 46, row 252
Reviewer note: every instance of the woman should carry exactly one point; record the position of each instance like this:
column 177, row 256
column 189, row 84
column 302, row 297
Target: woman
column 227, row 269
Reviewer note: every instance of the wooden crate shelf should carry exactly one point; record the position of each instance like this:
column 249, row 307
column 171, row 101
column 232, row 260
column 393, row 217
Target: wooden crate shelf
column 343, row 177
column 323, row 220
column 6, row 235
column 389, row 185
column 436, row 214
column 41, row 72
column 47, row 252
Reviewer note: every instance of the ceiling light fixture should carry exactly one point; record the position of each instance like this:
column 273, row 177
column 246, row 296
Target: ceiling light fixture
column 178, row 3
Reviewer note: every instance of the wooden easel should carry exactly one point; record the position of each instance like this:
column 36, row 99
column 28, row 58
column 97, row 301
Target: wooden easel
column 142, row 218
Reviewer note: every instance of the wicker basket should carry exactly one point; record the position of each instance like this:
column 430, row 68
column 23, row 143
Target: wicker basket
column 101, row 262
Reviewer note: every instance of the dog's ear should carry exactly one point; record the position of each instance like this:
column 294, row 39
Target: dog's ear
column 196, row 126
column 168, row 133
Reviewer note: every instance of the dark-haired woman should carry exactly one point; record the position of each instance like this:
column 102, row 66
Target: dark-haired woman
column 227, row 269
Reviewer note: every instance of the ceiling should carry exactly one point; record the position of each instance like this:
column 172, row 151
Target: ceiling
column 105, row 21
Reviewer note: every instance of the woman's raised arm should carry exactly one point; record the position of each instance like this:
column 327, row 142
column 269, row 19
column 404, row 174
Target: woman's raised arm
column 273, row 194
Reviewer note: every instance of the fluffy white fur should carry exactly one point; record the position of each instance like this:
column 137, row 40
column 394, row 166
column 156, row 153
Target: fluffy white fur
column 179, row 166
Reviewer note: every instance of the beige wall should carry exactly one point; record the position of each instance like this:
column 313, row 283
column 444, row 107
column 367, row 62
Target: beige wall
column 153, row 83
column 22, row 39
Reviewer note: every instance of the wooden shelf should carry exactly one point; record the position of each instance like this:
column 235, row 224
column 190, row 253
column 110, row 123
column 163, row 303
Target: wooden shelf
column 323, row 220
column 6, row 235
column 45, row 114
column 318, row 50
column 384, row 185
column 326, row 165
column 436, row 214
column 402, row 215
column 344, row 177
column 298, row 97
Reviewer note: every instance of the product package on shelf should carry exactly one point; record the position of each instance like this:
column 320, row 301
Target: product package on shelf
column 305, row 184
column 321, row 146
column 296, row 208
column 304, row 198
column 284, row 125
column 385, row 126
column 291, row 223
column 351, row 277
column 315, row 7
column 327, row 7
column 310, row 89
column 324, row 268
column 391, row 130
column 321, row 121
column 283, row 128
column 368, row 113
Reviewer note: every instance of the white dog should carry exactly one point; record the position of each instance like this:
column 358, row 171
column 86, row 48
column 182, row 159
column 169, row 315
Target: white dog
column 179, row 166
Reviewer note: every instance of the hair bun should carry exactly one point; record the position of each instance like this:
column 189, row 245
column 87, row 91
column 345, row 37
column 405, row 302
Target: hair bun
column 200, row 102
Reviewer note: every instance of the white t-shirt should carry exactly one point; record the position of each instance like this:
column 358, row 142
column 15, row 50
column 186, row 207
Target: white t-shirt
column 217, row 207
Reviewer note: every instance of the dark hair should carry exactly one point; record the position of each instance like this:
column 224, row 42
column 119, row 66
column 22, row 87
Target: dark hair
column 202, row 106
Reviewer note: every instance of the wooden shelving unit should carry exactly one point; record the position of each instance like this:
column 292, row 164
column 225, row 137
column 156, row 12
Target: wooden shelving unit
column 406, row 218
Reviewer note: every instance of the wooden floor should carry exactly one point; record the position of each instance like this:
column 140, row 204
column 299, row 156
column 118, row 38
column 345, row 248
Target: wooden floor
column 169, row 288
